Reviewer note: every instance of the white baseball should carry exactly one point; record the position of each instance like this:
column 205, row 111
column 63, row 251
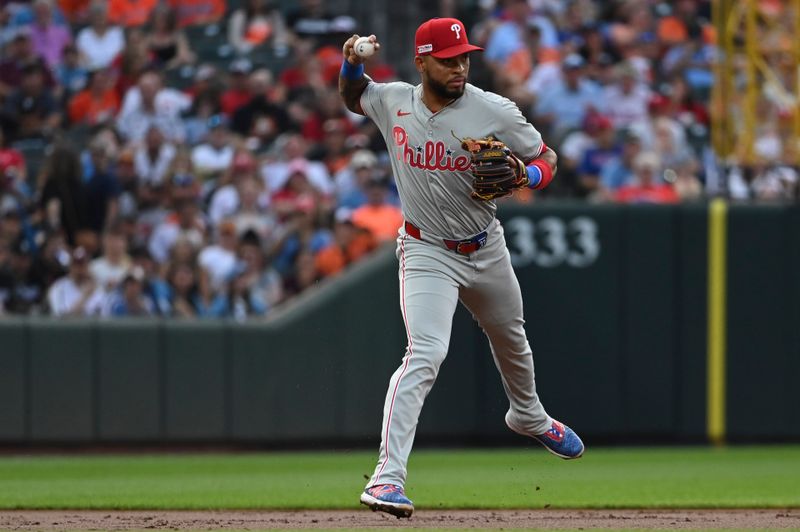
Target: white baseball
column 363, row 47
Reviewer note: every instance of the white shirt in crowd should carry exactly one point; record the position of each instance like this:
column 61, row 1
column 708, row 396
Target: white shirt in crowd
column 219, row 263
column 625, row 110
column 107, row 275
column 63, row 295
column 99, row 51
column 133, row 120
column 224, row 203
column 153, row 172
column 207, row 159
column 164, row 237
column 276, row 174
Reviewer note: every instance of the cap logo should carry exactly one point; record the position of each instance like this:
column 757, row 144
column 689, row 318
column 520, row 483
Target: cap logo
column 425, row 48
column 456, row 28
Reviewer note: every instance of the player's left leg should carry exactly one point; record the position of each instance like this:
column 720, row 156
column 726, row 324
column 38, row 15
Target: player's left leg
column 495, row 300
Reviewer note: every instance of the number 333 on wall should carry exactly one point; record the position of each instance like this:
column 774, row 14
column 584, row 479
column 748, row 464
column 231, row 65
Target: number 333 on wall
column 552, row 242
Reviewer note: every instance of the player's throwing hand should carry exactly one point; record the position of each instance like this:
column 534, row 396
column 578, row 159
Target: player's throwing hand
column 349, row 50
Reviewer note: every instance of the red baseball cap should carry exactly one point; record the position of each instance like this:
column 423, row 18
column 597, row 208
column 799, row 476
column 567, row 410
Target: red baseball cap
column 443, row 38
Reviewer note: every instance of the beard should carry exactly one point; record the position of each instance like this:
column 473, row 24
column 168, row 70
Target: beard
column 441, row 90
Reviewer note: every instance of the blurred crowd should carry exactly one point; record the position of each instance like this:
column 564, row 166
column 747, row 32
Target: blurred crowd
column 192, row 158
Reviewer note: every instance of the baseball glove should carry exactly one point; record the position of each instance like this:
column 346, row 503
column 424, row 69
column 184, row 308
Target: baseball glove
column 496, row 171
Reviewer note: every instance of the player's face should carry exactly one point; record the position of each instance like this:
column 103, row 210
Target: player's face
column 446, row 77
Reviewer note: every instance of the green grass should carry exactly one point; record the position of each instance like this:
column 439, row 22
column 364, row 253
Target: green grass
column 696, row 477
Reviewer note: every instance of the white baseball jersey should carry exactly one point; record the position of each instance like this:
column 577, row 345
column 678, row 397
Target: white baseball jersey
column 430, row 168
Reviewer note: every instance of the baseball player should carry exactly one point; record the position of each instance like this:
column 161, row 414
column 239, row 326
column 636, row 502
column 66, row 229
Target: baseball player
column 453, row 149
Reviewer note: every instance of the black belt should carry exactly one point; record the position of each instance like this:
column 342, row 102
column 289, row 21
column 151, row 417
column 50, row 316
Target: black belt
column 463, row 247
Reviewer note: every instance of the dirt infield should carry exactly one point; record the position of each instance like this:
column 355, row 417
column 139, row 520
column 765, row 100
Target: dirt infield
column 506, row 519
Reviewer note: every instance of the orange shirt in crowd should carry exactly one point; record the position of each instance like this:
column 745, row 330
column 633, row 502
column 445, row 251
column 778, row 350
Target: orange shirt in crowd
column 198, row 11
column 672, row 30
column 383, row 221
column 130, row 12
column 74, row 10
column 334, row 258
column 85, row 108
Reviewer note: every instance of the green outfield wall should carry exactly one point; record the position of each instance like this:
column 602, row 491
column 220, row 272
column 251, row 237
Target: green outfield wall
column 617, row 311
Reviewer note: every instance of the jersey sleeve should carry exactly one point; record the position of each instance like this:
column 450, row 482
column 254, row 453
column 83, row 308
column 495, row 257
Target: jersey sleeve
column 373, row 102
column 518, row 134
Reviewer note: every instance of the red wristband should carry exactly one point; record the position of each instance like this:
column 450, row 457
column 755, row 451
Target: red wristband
column 547, row 173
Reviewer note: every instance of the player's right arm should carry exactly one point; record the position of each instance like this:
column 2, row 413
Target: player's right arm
column 352, row 80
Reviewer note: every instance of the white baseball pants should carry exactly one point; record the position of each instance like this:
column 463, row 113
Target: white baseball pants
column 432, row 281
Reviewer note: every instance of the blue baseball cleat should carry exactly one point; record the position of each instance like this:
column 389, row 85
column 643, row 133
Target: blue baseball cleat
column 388, row 498
column 561, row 441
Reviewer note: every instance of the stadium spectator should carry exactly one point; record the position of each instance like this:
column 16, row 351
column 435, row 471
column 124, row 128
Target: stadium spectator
column 597, row 51
column 301, row 233
column 218, row 262
column 48, row 36
column 70, row 295
column 211, row 158
column 154, row 157
column 148, row 104
column 294, row 150
column 76, row 12
column 255, row 288
column 102, row 188
column 62, row 194
column 303, row 274
column 509, row 35
column 128, row 200
column 262, row 118
column 185, row 222
column 13, row 172
column 238, row 92
column 182, row 180
column 132, row 62
column 98, row 103
column 19, row 54
column 300, row 189
column 110, row 268
column 563, row 107
column 350, row 244
column 258, row 23
column 225, row 200
column 327, row 107
column 351, row 180
column 166, row 42
column 198, row 12
column 71, row 75
column 684, row 20
column 596, row 157
column 626, row 100
column 378, row 216
column 691, row 60
column 311, row 21
column 130, row 12
column 619, row 170
column 253, row 214
column 766, row 177
column 686, row 183
column 130, row 297
column 34, row 107
column 99, row 42
column 669, row 143
column 646, row 186
column 205, row 94
column 184, row 293
column 49, row 264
